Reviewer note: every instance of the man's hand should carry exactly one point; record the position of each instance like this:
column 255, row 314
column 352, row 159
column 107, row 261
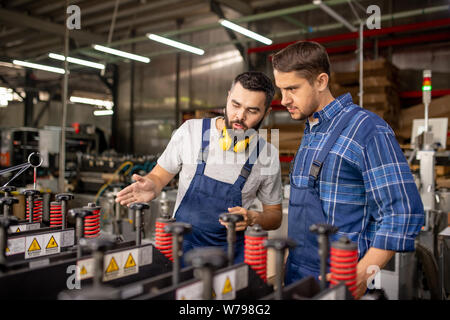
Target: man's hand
column 374, row 257
column 241, row 225
column 361, row 283
column 143, row 190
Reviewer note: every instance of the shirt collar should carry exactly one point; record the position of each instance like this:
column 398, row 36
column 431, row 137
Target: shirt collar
column 333, row 108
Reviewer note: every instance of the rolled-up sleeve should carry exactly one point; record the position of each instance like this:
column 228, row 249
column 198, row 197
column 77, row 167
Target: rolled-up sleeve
column 392, row 192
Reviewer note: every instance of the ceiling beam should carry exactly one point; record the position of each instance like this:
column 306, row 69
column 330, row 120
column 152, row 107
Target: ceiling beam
column 237, row 5
column 23, row 20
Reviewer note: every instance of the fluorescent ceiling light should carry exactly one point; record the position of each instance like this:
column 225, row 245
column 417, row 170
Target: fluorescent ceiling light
column 95, row 102
column 38, row 66
column 121, row 53
column 103, row 112
column 245, row 32
column 77, row 61
column 175, row 44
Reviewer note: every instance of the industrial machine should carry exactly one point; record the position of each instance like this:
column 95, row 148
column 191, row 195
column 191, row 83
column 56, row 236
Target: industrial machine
column 415, row 275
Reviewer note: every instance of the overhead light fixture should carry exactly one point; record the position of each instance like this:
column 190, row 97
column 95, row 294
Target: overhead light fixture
column 103, row 112
column 245, row 32
column 175, row 44
column 120, row 53
column 95, row 102
column 77, row 61
column 38, row 66
column 335, row 15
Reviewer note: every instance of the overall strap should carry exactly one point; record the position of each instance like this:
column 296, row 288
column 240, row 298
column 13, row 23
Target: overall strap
column 316, row 165
column 247, row 168
column 203, row 154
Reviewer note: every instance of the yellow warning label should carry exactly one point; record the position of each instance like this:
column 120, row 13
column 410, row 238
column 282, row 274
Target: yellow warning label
column 7, row 249
column 130, row 262
column 18, row 230
column 227, row 287
column 214, row 294
column 112, row 266
column 34, row 246
column 52, row 243
column 83, row 271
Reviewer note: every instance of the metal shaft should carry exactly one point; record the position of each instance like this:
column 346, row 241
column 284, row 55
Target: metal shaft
column 207, row 276
column 323, row 253
column 98, row 268
column 117, row 223
column 138, row 217
column 3, row 240
column 31, row 208
column 79, row 233
column 176, row 244
column 64, row 214
column 231, row 239
column 279, row 259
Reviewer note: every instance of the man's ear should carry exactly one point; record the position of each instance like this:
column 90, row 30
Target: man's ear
column 322, row 81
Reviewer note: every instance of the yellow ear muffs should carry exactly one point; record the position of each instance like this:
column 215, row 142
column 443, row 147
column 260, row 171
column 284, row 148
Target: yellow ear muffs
column 226, row 142
column 241, row 145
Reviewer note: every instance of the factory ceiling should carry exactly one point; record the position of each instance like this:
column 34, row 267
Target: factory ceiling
column 31, row 29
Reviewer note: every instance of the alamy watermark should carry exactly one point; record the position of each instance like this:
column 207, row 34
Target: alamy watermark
column 73, row 21
column 374, row 281
column 374, row 20
column 72, row 281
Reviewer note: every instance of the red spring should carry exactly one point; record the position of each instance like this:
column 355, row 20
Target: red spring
column 255, row 255
column 92, row 225
column 343, row 267
column 163, row 241
column 37, row 210
column 56, row 215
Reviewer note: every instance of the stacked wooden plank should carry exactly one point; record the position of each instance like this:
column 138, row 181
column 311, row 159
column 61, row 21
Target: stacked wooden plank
column 381, row 94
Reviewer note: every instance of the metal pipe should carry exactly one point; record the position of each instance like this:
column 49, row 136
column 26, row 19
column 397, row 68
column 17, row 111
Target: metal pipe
column 207, row 277
column 62, row 153
column 361, row 63
column 335, row 15
column 138, row 217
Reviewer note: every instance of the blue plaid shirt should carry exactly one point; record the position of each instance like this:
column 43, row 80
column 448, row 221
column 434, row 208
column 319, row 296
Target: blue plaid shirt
column 365, row 186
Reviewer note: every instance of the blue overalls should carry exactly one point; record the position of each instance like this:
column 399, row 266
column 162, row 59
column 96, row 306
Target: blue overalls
column 305, row 209
column 207, row 198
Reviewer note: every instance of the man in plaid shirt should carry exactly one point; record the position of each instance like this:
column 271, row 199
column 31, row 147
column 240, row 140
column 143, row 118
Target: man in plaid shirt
column 349, row 171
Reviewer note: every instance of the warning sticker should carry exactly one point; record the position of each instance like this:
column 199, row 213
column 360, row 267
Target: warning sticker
column 116, row 265
column 112, row 267
column 121, row 264
column 42, row 245
column 227, row 288
column 52, row 243
column 131, row 266
column 24, row 227
column 190, row 292
column 15, row 246
column 34, row 248
column 224, row 288
column 85, row 269
column 7, row 249
column 224, row 285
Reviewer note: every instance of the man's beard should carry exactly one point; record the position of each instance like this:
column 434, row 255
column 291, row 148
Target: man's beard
column 240, row 134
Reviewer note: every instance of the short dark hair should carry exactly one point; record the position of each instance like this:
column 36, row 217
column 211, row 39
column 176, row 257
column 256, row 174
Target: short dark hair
column 307, row 58
column 256, row 81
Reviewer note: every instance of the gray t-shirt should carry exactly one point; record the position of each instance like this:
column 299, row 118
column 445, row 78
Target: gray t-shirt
column 182, row 152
